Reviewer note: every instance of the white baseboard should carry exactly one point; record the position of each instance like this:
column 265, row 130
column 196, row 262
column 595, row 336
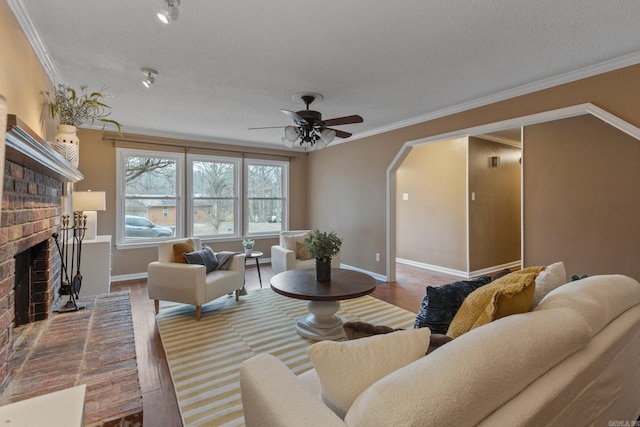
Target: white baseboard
column 459, row 273
column 125, row 277
column 376, row 276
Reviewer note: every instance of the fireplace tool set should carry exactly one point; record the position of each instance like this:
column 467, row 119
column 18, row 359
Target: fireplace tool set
column 71, row 277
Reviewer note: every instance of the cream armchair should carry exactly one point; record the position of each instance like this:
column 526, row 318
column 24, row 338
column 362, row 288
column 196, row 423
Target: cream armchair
column 285, row 255
column 189, row 283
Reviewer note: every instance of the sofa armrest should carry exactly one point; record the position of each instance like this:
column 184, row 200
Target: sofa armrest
column 176, row 282
column 272, row 395
column 282, row 259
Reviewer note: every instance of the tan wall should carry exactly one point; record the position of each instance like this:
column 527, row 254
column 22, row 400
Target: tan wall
column 22, row 77
column 347, row 195
column 585, row 207
column 359, row 167
column 431, row 226
column 494, row 215
column 98, row 164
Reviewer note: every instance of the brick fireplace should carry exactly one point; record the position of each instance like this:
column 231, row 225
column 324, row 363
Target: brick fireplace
column 34, row 179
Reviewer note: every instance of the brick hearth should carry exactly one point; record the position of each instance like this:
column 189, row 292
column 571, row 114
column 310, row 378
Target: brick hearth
column 94, row 346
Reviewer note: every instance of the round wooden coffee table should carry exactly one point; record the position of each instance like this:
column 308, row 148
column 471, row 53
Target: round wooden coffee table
column 323, row 298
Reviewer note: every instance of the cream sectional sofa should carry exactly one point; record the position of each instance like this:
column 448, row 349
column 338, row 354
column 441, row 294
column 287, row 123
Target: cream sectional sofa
column 573, row 360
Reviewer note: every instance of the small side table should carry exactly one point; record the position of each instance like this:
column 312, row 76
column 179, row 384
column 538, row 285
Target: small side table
column 256, row 255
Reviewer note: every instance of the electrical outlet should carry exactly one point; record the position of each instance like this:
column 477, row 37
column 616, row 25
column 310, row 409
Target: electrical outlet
column 377, row 257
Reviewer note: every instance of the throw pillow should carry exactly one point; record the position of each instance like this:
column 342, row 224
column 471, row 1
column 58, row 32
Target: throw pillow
column 290, row 242
column 355, row 330
column 224, row 259
column 437, row 341
column 347, row 368
column 179, row 249
column 301, row 251
column 552, row 277
column 508, row 295
column 441, row 303
column 205, row 257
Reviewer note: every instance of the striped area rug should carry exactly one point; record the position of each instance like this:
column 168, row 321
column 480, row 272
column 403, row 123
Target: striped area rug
column 204, row 357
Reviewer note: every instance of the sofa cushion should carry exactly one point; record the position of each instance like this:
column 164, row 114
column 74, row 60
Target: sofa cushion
column 599, row 299
column 180, row 248
column 441, row 303
column 470, row 377
column 204, row 256
column 347, row 368
column 550, row 278
column 508, row 295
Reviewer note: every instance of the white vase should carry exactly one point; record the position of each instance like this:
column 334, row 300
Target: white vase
column 67, row 143
column 247, row 252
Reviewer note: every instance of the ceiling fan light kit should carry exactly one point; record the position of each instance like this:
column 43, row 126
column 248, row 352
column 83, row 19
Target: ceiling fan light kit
column 310, row 130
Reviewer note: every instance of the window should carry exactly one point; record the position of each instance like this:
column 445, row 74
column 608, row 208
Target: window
column 223, row 198
column 266, row 190
column 214, row 196
column 149, row 203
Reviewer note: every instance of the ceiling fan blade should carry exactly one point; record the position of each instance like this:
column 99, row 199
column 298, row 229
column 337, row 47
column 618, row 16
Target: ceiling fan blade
column 341, row 133
column 295, row 116
column 268, row 127
column 346, row 120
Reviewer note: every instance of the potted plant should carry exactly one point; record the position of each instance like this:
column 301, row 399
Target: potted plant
column 248, row 246
column 72, row 109
column 322, row 246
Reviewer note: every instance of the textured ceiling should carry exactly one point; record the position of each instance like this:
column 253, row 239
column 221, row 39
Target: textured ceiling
column 225, row 66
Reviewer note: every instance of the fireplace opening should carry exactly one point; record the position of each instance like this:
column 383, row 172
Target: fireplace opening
column 31, row 284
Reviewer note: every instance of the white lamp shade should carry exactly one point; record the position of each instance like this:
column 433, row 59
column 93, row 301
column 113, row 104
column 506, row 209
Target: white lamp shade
column 88, row 201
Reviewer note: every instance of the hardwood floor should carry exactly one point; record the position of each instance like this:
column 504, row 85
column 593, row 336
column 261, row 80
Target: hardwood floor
column 159, row 399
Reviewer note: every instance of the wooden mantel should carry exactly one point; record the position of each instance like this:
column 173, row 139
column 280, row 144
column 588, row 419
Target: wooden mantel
column 25, row 147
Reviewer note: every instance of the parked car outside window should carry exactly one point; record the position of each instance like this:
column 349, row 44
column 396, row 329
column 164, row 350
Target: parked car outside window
column 136, row 226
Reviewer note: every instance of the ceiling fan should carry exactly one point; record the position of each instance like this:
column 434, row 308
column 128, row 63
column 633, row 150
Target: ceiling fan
column 310, row 130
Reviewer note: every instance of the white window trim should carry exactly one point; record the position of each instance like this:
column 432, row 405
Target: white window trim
column 285, row 193
column 121, row 154
column 236, row 183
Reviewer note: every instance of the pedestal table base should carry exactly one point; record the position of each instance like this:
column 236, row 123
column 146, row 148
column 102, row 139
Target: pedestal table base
column 321, row 323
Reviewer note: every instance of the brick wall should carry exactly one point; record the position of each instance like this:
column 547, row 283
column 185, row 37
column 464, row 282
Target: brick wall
column 31, row 207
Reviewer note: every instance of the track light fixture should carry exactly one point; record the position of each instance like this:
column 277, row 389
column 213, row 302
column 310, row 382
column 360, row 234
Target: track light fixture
column 170, row 13
column 149, row 77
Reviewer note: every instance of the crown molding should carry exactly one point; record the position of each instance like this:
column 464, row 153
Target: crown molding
column 590, row 71
column 24, row 20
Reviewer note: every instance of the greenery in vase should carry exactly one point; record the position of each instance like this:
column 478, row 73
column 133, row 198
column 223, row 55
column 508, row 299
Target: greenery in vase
column 75, row 108
column 322, row 245
column 248, row 244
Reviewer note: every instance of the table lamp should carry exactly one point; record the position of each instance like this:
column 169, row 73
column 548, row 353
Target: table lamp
column 89, row 202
